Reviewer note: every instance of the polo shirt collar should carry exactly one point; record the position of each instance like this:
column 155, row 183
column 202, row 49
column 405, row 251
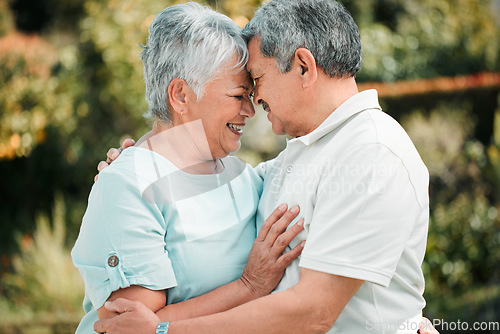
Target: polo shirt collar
column 362, row 101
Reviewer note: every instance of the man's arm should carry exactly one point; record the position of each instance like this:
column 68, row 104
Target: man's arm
column 312, row 306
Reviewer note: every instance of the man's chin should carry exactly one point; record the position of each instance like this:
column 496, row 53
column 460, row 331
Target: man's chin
column 279, row 131
column 277, row 128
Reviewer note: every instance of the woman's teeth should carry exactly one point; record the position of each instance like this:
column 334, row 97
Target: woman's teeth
column 234, row 127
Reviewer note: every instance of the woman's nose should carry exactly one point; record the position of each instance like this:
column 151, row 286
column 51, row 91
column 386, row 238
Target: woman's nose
column 247, row 108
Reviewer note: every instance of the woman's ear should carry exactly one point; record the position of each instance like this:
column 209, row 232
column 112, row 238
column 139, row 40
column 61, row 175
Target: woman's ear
column 177, row 95
column 305, row 65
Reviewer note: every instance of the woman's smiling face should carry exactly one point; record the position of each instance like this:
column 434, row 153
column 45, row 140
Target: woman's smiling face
column 223, row 110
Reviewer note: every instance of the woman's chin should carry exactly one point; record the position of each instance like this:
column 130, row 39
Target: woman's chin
column 228, row 150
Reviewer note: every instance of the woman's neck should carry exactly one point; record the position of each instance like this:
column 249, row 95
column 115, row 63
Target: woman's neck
column 185, row 145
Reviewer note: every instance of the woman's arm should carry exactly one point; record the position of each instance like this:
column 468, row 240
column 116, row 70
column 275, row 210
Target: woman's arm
column 263, row 271
column 154, row 300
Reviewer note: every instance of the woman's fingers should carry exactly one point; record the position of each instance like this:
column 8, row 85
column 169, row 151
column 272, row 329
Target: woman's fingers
column 268, row 223
column 287, row 258
column 277, row 228
column 266, row 262
column 284, row 239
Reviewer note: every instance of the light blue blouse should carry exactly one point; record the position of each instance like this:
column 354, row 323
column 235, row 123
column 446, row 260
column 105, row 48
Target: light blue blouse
column 148, row 223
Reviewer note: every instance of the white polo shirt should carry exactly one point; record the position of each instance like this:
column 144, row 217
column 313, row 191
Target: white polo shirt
column 363, row 191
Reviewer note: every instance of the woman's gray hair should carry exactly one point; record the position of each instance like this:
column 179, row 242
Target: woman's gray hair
column 191, row 42
column 324, row 27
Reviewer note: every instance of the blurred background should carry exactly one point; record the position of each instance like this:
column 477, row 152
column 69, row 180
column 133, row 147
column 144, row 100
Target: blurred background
column 71, row 87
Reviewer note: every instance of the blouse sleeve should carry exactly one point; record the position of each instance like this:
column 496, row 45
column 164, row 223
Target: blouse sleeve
column 122, row 240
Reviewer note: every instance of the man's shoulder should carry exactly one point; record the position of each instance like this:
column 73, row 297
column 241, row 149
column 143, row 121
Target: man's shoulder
column 374, row 127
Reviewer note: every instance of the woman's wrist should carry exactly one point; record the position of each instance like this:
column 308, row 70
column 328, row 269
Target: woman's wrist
column 252, row 289
column 162, row 327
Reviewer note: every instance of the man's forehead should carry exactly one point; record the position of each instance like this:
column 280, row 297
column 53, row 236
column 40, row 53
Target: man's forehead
column 250, row 68
column 250, row 71
column 253, row 54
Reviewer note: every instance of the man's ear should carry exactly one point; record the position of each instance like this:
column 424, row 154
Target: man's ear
column 305, row 65
column 178, row 95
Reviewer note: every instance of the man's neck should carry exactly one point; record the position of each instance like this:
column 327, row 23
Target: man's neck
column 328, row 95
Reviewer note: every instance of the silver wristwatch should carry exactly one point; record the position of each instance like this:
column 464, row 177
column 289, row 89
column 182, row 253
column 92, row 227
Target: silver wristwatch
column 162, row 327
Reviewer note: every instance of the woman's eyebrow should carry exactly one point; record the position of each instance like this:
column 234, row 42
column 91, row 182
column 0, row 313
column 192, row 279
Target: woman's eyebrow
column 242, row 86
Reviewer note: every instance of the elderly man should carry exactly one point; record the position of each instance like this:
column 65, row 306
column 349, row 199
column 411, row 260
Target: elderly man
column 360, row 183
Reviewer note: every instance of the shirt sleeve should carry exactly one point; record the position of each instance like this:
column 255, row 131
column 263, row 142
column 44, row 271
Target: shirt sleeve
column 122, row 240
column 365, row 210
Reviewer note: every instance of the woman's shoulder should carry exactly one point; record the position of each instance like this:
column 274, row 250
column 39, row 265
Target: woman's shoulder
column 139, row 163
column 123, row 167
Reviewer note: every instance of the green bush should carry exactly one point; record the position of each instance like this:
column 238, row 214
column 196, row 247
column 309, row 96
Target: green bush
column 463, row 250
column 44, row 282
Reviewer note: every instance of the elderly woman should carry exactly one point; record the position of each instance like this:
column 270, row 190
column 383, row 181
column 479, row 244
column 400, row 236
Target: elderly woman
column 172, row 221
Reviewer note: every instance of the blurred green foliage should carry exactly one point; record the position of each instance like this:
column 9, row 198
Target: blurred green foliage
column 463, row 250
column 44, row 283
column 405, row 39
column 72, row 87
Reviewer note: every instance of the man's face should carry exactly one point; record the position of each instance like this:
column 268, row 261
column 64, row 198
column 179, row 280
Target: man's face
column 278, row 93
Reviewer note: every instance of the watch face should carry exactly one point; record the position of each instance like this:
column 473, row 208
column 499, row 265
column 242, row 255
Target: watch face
column 162, row 327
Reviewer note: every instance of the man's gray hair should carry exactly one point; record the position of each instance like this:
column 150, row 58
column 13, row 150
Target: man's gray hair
column 191, row 42
column 324, row 27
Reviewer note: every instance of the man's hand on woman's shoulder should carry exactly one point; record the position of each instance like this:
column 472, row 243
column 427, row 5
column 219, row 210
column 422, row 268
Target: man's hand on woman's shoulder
column 112, row 154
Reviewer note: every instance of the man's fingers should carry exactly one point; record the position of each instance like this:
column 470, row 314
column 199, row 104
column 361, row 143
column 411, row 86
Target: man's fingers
column 112, row 154
column 426, row 327
column 101, row 165
column 127, row 143
column 277, row 214
column 120, row 305
column 101, row 325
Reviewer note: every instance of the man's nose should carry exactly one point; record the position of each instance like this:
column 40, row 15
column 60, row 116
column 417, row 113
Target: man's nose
column 256, row 98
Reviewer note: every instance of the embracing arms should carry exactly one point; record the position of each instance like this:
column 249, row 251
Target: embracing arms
column 310, row 307
column 263, row 270
column 262, row 273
